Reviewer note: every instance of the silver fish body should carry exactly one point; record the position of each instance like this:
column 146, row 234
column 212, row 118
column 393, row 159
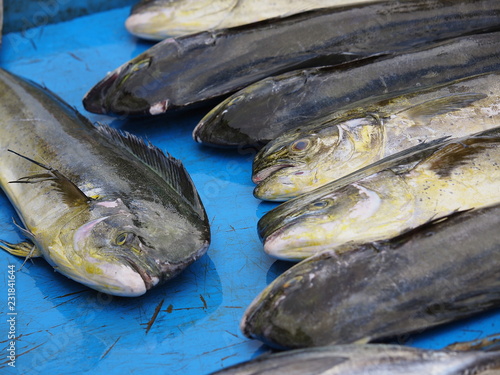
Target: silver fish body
column 368, row 360
column 159, row 19
column 103, row 208
column 310, row 156
column 439, row 272
column 262, row 111
column 387, row 197
column 192, row 69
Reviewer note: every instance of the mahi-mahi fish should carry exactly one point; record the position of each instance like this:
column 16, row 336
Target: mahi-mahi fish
column 387, row 197
column 158, row 19
column 192, row 69
column 1, row 20
column 370, row 359
column 305, row 158
column 103, row 207
column 262, row 111
column 442, row 271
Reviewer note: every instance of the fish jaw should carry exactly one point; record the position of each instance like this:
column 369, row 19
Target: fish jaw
column 297, row 240
column 148, row 25
column 118, row 280
column 281, row 181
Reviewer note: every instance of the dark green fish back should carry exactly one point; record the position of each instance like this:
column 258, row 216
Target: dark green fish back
column 262, row 111
column 233, row 58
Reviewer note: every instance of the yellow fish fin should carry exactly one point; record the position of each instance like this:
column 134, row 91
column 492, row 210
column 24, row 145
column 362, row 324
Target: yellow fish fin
column 442, row 105
column 24, row 249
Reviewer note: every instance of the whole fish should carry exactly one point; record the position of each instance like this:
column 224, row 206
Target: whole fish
column 388, row 198
column 305, row 158
column 191, row 69
column 262, row 111
column 368, row 360
column 158, row 19
column 102, row 207
column 437, row 273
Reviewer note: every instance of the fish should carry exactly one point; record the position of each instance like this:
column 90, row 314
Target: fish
column 262, row 111
column 369, row 359
column 439, row 272
column 387, row 197
column 101, row 206
column 305, row 158
column 159, row 19
column 1, row 20
column 191, row 70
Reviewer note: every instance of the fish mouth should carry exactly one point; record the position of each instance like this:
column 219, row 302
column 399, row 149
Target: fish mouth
column 293, row 251
column 266, row 172
column 149, row 281
column 271, row 237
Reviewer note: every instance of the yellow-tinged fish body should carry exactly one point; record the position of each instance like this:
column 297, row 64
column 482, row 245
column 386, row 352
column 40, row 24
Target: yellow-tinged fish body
column 102, row 207
column 158, row 19
column 404, row 193
column 305, row 158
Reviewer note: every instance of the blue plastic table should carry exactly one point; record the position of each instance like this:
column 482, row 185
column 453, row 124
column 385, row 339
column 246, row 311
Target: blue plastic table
column 188, row 326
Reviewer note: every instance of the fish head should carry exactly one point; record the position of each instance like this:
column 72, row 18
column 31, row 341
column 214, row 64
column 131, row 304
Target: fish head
column 158, row 19
column 123, row 91
column 127, row 247
column 224, row 125
column 287, row 166
column 303, row 159
column 355, row 213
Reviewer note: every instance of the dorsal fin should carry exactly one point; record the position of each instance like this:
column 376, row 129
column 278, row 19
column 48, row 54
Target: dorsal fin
column 166, row 166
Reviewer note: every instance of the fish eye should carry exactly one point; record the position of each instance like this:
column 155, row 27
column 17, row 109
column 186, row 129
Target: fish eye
column 141, row 64
column 320, row 204
column 124, row 238
column 300, row 145
column 236, row 99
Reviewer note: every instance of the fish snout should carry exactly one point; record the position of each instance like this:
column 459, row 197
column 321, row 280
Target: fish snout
column 94, row 99
column 264, row 171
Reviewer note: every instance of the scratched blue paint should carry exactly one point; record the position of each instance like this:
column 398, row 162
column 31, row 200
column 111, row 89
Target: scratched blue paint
column 63, row 327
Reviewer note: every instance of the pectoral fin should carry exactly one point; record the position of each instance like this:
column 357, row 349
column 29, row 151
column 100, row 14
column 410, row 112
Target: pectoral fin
column 72, row 195
column 442, row 105
column 25, row 249
column 455, row 154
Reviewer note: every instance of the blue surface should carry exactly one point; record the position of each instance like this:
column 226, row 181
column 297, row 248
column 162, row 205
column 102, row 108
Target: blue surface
column 21, row 15
column 64, row 327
